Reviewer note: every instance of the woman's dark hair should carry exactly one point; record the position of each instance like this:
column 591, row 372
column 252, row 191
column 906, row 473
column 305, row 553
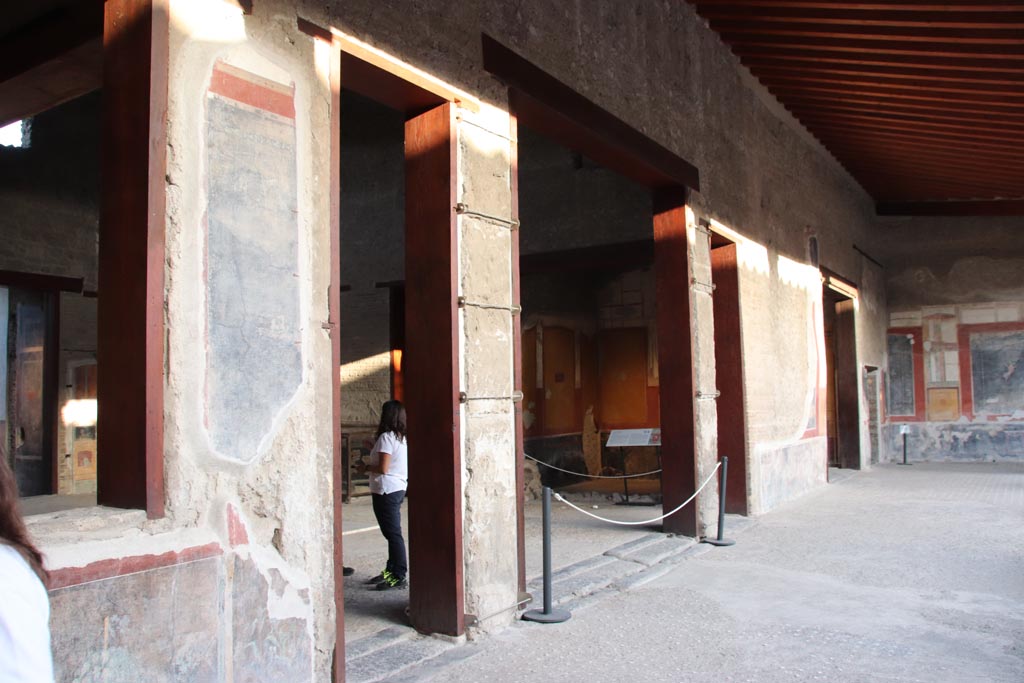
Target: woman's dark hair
column 392, row 419
column 12, row 526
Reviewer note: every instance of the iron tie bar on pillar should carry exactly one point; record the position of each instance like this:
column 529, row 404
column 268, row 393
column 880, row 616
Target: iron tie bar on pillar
column 466, row 398
column 708, row 287
column 515, row 309
column 463, row 210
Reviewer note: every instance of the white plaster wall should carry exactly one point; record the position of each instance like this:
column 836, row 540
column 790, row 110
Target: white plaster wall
column 284, row 496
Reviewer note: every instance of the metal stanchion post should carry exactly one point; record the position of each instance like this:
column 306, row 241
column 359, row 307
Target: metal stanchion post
column 721, row 540
column 549, row 615
column 904, row 430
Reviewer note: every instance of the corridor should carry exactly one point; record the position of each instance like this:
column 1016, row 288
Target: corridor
column 893, row 574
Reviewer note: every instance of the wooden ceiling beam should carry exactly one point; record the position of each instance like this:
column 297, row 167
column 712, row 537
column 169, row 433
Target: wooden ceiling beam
column 860, row 135
column 884, row 5
column 865, row 18
column 1007, row 93
column 875, row 109
column 775, row 54
column 50, row 36
column 989, row 110
column 905, row 161
column 897, row 162
column 928, row 177
column 999, row 207
column 956, row 79
column 892, row 187
column 956, row 36
column 52, row 60
column 937, row 48
column 783, row 89
column 1014, row 130
column 994, row 165
column 887, row 189
column 892, row 167
column 812, row 117
column 915, row 99
column 904, row 18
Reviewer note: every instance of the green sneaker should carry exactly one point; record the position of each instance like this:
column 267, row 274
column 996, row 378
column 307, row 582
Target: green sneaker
column 392, row 581
column 383, row 576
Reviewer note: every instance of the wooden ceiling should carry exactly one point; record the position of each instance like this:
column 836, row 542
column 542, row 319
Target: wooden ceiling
column 922, row 102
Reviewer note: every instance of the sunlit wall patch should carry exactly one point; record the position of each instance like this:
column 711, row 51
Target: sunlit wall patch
column 16, row 133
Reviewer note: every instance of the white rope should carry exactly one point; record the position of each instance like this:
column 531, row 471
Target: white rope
column 647, row 521
column 592, row 476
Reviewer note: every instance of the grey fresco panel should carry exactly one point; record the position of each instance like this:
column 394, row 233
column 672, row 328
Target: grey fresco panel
column 161, row 625
column 900, row 387
column 997, row 371
column 254, row 359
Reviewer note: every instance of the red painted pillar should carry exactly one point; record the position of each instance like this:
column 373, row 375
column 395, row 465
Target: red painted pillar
column 517, row 361
column 334, row 312
column 131, row 255
column 732, row 430
column 675, row 359
column 431, row 374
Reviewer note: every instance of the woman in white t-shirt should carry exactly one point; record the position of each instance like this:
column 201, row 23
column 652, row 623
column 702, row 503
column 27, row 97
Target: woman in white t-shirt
column 24, row 605
column 389, row 475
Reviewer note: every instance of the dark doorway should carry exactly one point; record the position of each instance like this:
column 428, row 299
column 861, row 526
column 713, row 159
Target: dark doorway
column 48, row 304
column 843, row 408
column 394, row 295
column 29, row 320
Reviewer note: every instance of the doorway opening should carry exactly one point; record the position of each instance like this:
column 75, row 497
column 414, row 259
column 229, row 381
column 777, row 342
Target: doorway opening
column 589, row 344
column 839, row 303
column 372, row 258
column 48, row 306
column 394, row 330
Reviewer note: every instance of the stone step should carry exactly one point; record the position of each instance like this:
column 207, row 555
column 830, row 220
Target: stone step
column 377, row 641
column 581, row 584
column 386, row 662
column 636, row 544
column 650, row 554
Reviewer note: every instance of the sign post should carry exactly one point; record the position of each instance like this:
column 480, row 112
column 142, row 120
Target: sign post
column 619, row 438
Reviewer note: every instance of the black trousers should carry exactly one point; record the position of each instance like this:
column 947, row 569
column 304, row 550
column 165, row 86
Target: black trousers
column 387, row 508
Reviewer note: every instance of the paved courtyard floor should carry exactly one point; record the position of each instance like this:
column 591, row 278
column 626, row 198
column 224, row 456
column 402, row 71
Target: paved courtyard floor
column 577, row 538
column 894, row 574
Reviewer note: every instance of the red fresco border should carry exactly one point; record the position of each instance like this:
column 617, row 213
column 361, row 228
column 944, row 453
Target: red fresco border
column 120, row 566
column 253, row 94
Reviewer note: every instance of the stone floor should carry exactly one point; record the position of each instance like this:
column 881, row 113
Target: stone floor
column 894, row 574
column 574, row 538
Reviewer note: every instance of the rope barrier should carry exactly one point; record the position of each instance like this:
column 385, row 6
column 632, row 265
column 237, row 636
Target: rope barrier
column 649, row 521
column 592, row 476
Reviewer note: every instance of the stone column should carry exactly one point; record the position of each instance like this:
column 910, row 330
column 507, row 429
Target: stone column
column 489, row 455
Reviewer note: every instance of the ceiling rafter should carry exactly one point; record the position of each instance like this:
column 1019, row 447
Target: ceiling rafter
column 1007, row 19
column 956, row 79
column 917, row 100
column 771, row 54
